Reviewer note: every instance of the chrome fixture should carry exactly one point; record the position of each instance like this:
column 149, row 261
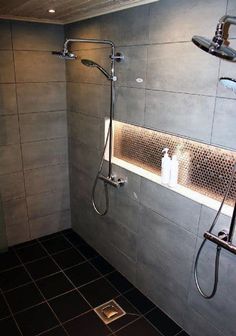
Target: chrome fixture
column 228, row 83
column 219, row 45
column 108, row 179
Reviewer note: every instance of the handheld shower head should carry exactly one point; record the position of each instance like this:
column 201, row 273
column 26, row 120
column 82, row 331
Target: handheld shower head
column 92, row 64
column 228, row 83
column 65, row 54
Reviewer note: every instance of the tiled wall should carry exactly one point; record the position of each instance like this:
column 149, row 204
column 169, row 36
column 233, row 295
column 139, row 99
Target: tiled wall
column 33, row 131
column 152, row 234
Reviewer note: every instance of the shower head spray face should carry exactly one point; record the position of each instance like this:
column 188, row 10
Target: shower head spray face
column 92, row 64
column 65, row 55
column 228, row 83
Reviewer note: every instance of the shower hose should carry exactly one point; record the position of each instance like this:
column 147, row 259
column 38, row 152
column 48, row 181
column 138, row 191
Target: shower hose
column 218, row 248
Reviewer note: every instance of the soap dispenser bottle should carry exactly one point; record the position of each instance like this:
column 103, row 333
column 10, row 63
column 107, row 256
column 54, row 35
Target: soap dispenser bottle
column 165, row 167
column 174, row 171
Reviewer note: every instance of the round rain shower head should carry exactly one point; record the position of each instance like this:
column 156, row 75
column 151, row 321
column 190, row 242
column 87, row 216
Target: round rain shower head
column 65, row 55
column 228, row 83
column 207, row 45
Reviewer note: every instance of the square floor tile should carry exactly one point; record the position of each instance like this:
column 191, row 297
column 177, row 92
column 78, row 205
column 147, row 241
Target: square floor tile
column 50, row 236
column 31, row 253
column 87, row 251
column 14, row 278
column 41, row 268
column 163, row 323
column 26, row 244
column 141, row 302
column 139, row 328
column 54, row 285
column 58, row 331
column 8, row 260
column 56, row 244
column 183, row 333
column 4, row 311
column 23, row 297
column 74, row 238
column 82, row 274
column 102, row 265
column 68, row 258
column 98, row 292
column 36, row 320
column 8, row 327
column 88, row 325
column 120, row 282
column 69, row 305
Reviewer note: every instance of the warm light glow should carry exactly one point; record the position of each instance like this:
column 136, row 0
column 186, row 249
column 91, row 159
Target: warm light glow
column 51, row 11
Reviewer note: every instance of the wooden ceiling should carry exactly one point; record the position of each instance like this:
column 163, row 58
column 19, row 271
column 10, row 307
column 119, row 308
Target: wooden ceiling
column 67, row 11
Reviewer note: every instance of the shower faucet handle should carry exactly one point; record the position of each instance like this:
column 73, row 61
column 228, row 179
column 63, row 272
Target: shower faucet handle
column 116, row 182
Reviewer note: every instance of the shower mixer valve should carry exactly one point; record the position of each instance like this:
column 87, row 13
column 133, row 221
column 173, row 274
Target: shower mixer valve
column 114, row 181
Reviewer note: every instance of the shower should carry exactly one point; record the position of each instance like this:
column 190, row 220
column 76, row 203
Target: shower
column 219, row 46
column 109, row 178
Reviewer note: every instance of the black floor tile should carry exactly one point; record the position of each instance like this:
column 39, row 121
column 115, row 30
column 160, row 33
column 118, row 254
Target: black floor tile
column 68, row 258
column 82, row 274
column 88, row 325
column 163, row 323
column 183, row 333
column 141, row 302
column 14, row 278
column 54, row 285
column 4, row 311
column 23, row 297
column 74, row 238
column 58, row 331
column 98, row 292
column 102, row 265
column 87, row 251
column 69, row 305
column 56, row 244
column 139, row 328
column 50, row 236
column 31, row 253
column 8, row 260
column 41, row 268
column 120, row 282
column 26, row 244
column 36, row 320
column 131, row 314
column 9, row 328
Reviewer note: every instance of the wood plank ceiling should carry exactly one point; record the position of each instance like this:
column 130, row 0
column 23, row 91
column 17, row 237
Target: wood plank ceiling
column 67, row 11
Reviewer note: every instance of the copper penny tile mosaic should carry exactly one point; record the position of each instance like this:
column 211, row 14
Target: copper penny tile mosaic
column 202, row 168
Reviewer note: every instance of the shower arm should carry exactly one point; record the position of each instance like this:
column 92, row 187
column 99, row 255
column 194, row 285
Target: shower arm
column 222, row 30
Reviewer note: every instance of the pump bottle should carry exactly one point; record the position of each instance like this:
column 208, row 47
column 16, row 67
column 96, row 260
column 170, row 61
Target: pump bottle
column 165, row 167
column 174, row 171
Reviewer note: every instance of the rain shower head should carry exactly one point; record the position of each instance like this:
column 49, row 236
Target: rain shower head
column 228, row 83
column 65, row 54
column 90, row 63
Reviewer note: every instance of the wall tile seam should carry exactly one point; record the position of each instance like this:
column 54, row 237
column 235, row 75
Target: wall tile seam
column 124, row 226
column 51, row 213
column 27, row 82
column 55, row 190
column 16, row 198
column 86, row 115
column 41, row 112
column 78, row 143
column 46, row 166
column 42, row 140
column 149, row 89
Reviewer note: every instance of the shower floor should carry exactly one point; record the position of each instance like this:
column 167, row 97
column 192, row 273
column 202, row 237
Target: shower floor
column 51, row 285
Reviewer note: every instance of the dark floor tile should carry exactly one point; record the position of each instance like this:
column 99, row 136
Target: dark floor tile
column 98, row 292
column 36, row 320
column 88, row 325
column 102, row 265
column 42, row 267
column 120, row 282
column 141, row 302
column 26, row 244
column 59, row 331
column 82, row 274
column 69, row 305
column 139, row 328
column 74, row 238
column 50, row 236
column 4, row 311
column 183, row 333
column 54, row 285
column 87, row 251
column 23, row 297
column 163, row 323
column 14, row 278
column 68, row 258
column 30, row 253
column 56, row 244
column 8, row 260
column 9, row 328
column 131, row 314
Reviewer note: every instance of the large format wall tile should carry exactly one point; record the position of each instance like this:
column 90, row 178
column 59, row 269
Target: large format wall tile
column 15, row 213
column 231, row 10
column 11, row 161
column 7, row 67
column 9, row 130
column 12, row 186
column 5, row 35
column 7, row 99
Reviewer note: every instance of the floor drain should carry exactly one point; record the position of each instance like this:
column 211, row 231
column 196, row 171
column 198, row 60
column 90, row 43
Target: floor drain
column 109, row 311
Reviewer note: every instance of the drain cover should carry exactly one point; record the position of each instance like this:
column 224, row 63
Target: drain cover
column 109, row 311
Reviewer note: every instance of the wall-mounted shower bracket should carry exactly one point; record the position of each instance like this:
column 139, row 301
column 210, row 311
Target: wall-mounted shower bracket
column 114, row 181
column 118, row 57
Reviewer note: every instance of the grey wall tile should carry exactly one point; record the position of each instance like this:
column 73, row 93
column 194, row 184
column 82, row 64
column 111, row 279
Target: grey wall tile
column 181, row 67
column 37, row 36
column 47, row 203
column 178, row 20
column 171, row 205
column 15, row 212
column 10, row 159
column 5, row 35
column 7, row 99
column 85, row 183
column 9, row 130
column 17, row 234
column 231, row 11
column 130, row 105
column 49, row 224
column 7, row 67
column 12, row 186
column 43, row 153
column 42, row 126
column 41, row 97
column 180, row 114
column 47, row 179
column 32, row 66
column 223, row 133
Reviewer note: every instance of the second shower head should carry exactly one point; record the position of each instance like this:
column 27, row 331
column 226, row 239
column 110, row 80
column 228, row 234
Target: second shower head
column 90, row 63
